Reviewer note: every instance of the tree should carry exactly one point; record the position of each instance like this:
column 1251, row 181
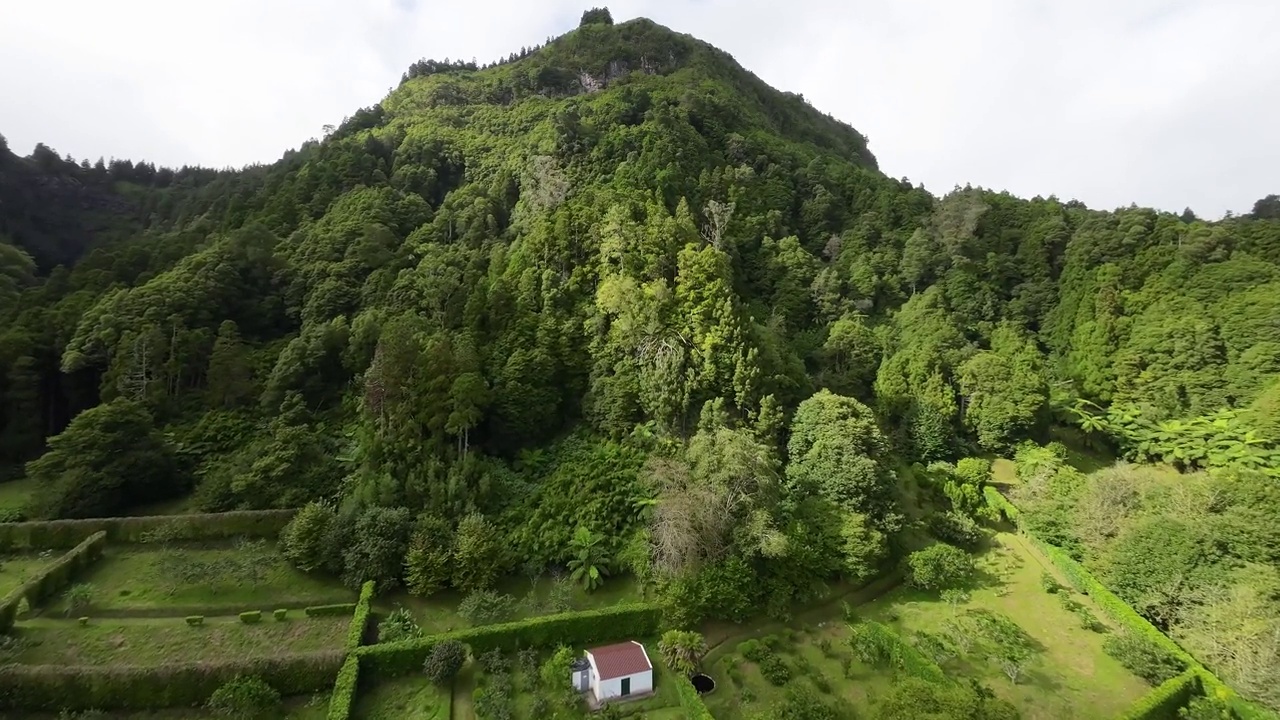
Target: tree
column 109, row 458
column 1012, row 647
column 955, row 597
column 836, row 451
column 478, row 554
column 306, row 542
column 939, row 567
column 1004, row 389
column 863, row 547
column 444, row 661
column 377, row 550
column 596, row 16
column 682, row 650
column 589, row 565
column 428, row 563
column 1143, row 657
column 229, row 376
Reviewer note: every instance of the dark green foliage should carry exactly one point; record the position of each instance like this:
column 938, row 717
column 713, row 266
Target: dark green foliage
column 940, row 566
column 444, row 660
column 478, row 554
column 360, row 616
column 377, row 548
column 280, row 614
column 251, row 617
column 52, row 688
column 399, row 625
column 956, row 529
column 1143, row 657
column 111, row 457
column 194, row 620
column 494, row 698
column 245, row 698
column 775, row 670
column 878, row 645
column 428, row 563
column 494, row 662
column 1164, row 701
column 1049, row 582
column 918, row 698
column 306, row 541
column 343, row 700
column 596, row 16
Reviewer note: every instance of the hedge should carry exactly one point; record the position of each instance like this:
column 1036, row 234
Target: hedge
column 52, row 578
column 206, row 526
column 329, row 610
column 344, row 690
column 1000, row 504
column 621, row 622
column 690, row 700
column 1164, row 700
column 1121, row 612
column 251, row 617
column 53, row 688
column 360, row 616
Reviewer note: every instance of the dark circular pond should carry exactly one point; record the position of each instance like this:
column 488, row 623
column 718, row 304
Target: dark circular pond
column 702, row 683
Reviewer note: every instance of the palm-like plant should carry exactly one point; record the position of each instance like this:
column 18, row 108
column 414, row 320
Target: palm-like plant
column 682, row 650
column 589, row 562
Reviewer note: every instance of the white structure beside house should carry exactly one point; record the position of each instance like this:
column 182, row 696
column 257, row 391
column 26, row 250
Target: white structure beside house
column 614, row 671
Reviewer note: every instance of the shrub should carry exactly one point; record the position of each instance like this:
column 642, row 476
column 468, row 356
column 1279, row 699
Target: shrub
column 444, row 661
column 527, row 661
column 494, row 662
column 682, row 650
column 399, row 625
column 329, row 610
column 973, row 471
column 1049, row 582
column 83, row 621
column 1164, row 700
column 305, row 541
column 478, row 553
column 956, row 528
column 940, row 566
column 753, row 650
column 79, row 597
column 377, row 548
column 426, row 565
column 281, row 614
column 1144, row 658
column 484, row 607
column 244, row 698
column 775, row 670
column 194, row 620
column 251, row 617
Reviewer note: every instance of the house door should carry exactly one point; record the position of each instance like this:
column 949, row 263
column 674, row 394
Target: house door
column 626, row 686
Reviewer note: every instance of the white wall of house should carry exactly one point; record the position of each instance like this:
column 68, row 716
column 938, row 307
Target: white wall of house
column 641, row 682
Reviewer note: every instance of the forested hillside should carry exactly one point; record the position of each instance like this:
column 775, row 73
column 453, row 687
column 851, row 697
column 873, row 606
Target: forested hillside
column 614, row 283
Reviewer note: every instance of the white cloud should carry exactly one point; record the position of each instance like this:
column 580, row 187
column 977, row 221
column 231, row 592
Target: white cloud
column 1167, row 103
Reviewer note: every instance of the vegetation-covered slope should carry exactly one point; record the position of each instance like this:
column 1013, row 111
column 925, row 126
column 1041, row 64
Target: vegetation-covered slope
column 600, row 285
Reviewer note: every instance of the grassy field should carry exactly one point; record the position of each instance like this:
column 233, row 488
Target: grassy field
column 186, row 580
column 14, row 494
column 314, row 707
column 411, row 697
column 439, row 613
column 1069, row 676
column 18, row 568
column 159, row 641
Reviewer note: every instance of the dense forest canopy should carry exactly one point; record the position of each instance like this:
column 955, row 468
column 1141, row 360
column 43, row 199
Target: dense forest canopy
column 614, row 283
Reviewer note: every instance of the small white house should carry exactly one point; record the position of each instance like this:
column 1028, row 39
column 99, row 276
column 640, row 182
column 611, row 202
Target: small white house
column 614, row 671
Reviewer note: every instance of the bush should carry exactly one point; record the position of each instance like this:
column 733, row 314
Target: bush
column 939, row 567
column 485, row 607
column 281, row 614
column 52, row 688
column 494, row 662
column 1164, row 701
column 1049, row 582
column 775, row 670
column 878, row 645
column 83, row 621
column 330, row 610
column 194, row 620
column 1144, row 658
column 753, row 650
column 378, row 545
column 251, row 617
column 306, row 541
column 79, row 597
column 426, row 565
column 245, row 698
column 444, row 661
column 399, row 625
column 527, row 661
column 957, row 529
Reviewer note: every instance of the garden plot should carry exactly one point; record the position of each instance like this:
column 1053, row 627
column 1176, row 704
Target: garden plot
column 176, row 579
column 157, row 641
column 17, row 569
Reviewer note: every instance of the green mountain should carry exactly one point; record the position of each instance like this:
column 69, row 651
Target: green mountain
column 614, row 269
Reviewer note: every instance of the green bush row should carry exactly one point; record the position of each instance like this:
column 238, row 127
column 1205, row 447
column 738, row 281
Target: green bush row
column 53, row 688
column 621, row 622
column 330, row 610
column 880, row 645
column 251, row 617
column 344, row 690
column 1121, row 612
column 207, row 526
column 1000, row 504
column 194, row 620
column 1164, row 700
column 52, row 579
column 690, row 700
column 360, row 616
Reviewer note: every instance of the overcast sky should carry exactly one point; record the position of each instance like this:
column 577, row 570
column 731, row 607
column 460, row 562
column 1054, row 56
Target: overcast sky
column 1169, row 103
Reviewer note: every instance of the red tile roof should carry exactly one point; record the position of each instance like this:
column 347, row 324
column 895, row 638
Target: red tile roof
column 615, row 661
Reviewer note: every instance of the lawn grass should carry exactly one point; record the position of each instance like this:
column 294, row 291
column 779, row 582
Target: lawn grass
column 220, row 579
column 306, row 707
column 439, row 612
column 411, row 697
column 18, row 568
column 14, row 494
column 167, row 640
column 1071, row 677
